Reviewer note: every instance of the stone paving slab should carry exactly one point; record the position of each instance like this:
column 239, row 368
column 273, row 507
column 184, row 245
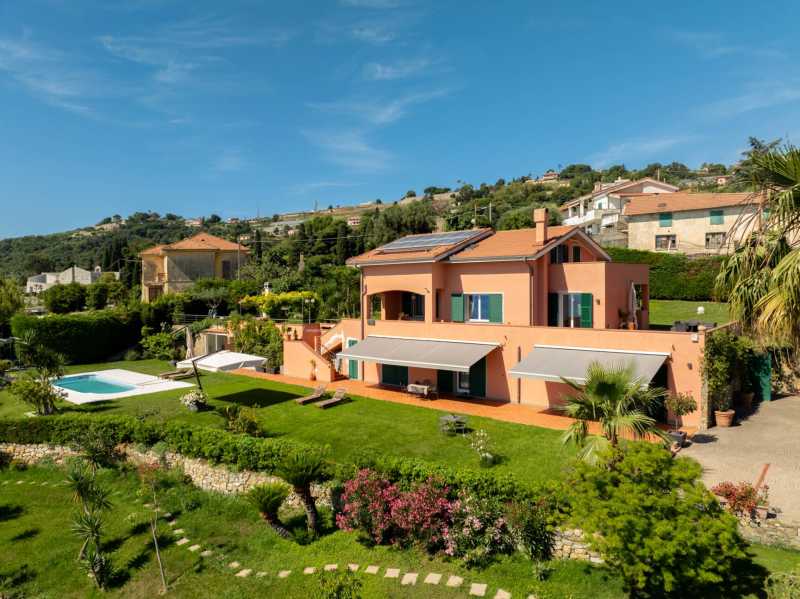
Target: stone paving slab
column 352, row 567
column 178, row 531
column 392, row 573
column 234, row 565
column 168, row 515
column 477, row 589
column 331, row 567
column 207, row 553
column 409, row 579
column 284, row 573
column 432, row 578
column 244, row 573
column 260, row 574
column 182, row 541
column 454, row 581
column 172, row 522
column 309, row 570
column 501, row 594
column 194, row 548
column 372, row 570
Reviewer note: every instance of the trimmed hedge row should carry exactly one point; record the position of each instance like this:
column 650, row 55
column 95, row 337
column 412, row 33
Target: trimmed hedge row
column 83, row 337
column 674, row 276
column 249, row 453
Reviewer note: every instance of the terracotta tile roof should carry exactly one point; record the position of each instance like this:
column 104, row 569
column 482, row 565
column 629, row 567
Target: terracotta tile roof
column 509, row 244
column 654, row 203
column 199, row 242
column 428, row 255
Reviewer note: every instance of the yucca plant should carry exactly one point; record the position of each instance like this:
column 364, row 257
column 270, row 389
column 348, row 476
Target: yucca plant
column 300, row 470
column 92, row 498
column 613, row 397
column 267, row 499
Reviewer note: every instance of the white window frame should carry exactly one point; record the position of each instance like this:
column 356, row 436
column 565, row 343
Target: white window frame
column 459, row 386
column 670, row 246
column 716, row 234
column 561, row 295
column 467, row 311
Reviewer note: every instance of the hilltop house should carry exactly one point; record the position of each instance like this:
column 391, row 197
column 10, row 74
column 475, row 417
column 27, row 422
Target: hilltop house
column 691, row 223
column 498, row 315
column 599, row 212
column 176, row 266
column 74, row 274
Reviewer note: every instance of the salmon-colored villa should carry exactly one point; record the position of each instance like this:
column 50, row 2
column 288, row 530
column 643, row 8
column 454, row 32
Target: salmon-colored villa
column 498, row 315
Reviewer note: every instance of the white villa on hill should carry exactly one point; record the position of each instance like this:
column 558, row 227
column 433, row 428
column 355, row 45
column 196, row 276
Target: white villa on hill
column 74, row 274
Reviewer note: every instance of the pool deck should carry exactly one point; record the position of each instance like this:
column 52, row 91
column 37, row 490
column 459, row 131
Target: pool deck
column 143, row 384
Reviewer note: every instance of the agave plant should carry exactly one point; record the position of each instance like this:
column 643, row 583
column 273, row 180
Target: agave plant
column 267, row 499
column 300, row 470
column 618, row 401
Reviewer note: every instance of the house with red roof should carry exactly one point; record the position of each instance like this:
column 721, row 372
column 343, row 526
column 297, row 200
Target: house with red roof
column 174, row 267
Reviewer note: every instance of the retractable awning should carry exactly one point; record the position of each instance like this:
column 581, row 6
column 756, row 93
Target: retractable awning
column 554, row 363
column 457, row 356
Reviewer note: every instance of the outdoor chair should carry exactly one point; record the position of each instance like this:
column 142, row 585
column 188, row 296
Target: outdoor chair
column 338, row 397
column 177, row 374
column 318, row 393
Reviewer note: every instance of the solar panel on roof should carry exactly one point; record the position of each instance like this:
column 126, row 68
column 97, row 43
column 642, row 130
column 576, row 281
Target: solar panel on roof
column 423, row 242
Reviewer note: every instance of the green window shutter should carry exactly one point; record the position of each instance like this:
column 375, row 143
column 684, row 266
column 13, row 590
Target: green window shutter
column 576, row 253
column 552, row 309
column 394, row 375
column 586, row 310
column 717, row 217
column 457, row 307
column 444, row 381
column 665, row 219
column 495, row 307
column 477, row 378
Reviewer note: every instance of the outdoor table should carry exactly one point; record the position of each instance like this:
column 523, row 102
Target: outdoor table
column 453, row 423
column 418, row 389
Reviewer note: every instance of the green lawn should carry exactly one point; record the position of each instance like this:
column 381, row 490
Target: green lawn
column 668, row 311
column 361, row 426
column 35, row 532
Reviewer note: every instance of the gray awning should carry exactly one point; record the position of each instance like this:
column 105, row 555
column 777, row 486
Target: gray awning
column 554, row 363
column 457, row 356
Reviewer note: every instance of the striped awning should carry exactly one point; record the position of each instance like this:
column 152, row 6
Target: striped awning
column 456, row 356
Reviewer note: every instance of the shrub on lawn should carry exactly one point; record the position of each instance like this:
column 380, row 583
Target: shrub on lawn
column 367, row 506
column 338, row 585
column 422, row 514
column 160, row 346
column 654, row 523
column 741, row 499
column 61, row 299
column 479, row 530
column 82, row 338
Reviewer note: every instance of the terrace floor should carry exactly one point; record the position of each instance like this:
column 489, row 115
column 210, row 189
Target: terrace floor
column 497, row 410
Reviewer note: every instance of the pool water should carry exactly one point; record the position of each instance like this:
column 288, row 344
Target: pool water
column 91, row 383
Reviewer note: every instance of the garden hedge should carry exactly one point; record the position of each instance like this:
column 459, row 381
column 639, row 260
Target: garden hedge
column 674, row 276
column 249, row 453
column 83, row 337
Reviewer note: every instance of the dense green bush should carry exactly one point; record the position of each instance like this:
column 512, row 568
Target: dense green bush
column 655, row 524
column 82, row 338
column 160, row 346
column 674, row 276
column 61, row 299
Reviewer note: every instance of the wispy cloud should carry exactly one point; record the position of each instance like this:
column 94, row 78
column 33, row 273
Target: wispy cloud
column 756, row 97
column 379, row 112
column 373, row 33
column 636, row 149
column 230, row 160
column 350, row 149
column 401, row 69
column 711, row 45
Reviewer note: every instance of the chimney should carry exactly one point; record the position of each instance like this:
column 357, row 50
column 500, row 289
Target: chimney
column 540, row 222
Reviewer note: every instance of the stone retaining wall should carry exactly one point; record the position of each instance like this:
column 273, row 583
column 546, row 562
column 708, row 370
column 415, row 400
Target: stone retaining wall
column 771, row 532
column 569, row 544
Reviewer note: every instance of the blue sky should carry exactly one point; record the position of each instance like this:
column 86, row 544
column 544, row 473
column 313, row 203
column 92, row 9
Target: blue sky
column 238, row 107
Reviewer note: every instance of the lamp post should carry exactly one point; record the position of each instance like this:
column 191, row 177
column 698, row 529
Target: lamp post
column 309, row 302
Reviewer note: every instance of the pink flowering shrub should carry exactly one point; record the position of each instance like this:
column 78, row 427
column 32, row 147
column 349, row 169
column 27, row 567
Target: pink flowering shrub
column 478, row 530
column 368, row 501
column 422, row 515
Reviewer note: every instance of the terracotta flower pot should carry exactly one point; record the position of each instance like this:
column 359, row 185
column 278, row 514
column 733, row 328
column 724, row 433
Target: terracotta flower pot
column 724, row 418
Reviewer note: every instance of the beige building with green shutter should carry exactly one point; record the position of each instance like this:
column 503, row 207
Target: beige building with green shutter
column 690, row 223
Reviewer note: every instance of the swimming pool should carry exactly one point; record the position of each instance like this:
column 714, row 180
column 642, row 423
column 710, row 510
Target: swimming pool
column 111, row 384
column 92, row 383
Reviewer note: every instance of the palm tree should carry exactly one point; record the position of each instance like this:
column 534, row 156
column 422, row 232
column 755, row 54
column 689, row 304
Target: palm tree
column 300, row 470
column 761, row 279
column 618, row 401
column 267, row 499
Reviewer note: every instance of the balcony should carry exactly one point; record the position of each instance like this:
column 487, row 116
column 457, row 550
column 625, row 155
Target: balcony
column 603, row 216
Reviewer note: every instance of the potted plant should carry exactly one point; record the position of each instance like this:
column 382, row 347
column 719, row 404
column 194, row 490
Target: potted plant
column 679, row 404
column 723, row 413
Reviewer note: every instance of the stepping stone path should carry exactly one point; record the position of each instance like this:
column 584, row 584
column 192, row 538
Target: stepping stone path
column 501, row 594
column 372, row 570
column 194, row 548
column 331, row 567
column 244, row 573
column 234, row 565
column 206, row 553
column 260, row 574
column 409, row 579
column 172, row 522
column 432, row 578
column 309, row 570
column 168, row 515
column 182, row 541
column 352, row 567
column 284, row 573
column 178, row 531
column 19, row 482
column 454, row 581
column 392, row 573
column 477, row 590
